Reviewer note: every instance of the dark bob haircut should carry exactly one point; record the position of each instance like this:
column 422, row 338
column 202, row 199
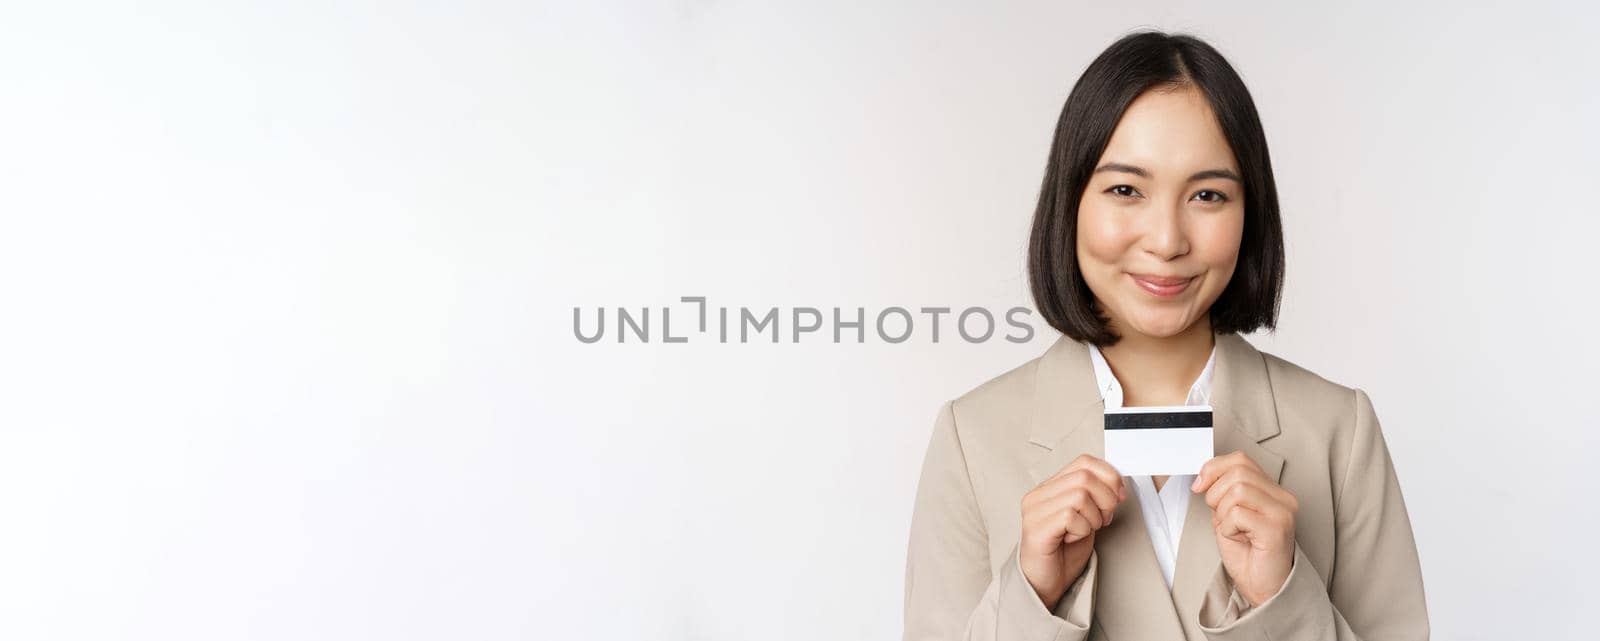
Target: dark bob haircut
column 1130, row 66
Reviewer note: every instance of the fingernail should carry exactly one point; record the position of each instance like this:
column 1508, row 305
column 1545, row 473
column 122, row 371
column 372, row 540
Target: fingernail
column 1195, row 486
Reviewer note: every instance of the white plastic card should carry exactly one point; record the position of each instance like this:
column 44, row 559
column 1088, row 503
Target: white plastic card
column 1158, row 440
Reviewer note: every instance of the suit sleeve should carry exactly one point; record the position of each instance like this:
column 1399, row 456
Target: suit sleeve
column 1375, row 591
column 950, row 592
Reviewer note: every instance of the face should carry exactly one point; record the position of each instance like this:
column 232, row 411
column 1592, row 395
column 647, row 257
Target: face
column 1160, row 221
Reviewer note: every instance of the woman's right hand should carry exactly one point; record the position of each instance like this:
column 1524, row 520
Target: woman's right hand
column 1059, row 521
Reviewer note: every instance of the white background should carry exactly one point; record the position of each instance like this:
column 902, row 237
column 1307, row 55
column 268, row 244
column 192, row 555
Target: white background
column 286, row 347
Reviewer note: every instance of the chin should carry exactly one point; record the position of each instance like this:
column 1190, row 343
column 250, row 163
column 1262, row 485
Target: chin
column 1160, row 326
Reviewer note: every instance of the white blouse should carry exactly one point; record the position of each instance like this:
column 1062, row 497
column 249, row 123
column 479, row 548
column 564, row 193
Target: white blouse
column 1163, row 510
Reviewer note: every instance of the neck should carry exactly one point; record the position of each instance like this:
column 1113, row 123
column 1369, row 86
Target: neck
column 1158, row 370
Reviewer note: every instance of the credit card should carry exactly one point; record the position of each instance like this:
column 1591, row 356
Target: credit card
column 1158, row 440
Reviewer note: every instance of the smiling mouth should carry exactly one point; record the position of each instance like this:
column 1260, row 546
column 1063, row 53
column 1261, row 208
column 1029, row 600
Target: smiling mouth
column 1162, row 286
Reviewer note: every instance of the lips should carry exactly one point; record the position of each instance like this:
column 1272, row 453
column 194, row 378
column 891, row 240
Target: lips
column 1163, row 286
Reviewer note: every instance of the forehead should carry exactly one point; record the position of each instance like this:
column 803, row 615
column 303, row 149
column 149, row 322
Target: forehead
column 1170, row 132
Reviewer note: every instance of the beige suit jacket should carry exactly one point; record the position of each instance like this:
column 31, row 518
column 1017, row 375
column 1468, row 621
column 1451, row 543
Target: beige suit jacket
column 1355, row 573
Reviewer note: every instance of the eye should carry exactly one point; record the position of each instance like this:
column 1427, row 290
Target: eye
column 1210, row 196
column 1124, row 191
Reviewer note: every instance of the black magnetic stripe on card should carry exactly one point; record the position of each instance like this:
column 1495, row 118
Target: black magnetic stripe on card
column 1157, row 420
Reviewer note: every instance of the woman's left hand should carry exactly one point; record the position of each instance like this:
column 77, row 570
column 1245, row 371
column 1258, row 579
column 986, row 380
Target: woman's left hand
column 1253, row 518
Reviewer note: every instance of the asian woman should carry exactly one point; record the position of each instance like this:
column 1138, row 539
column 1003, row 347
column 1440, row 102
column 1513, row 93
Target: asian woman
column 1156, row 243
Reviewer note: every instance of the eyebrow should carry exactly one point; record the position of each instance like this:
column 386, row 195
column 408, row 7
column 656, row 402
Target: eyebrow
column 1199, row 175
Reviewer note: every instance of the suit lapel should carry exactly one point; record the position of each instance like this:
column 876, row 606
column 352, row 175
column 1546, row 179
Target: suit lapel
column 1244, row 413
column 1133, row 600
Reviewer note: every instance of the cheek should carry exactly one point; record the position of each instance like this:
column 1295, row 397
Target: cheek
column 1216, row 243
column 1102, row 239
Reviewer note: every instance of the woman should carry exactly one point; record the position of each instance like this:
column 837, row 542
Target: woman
column 1157, row 242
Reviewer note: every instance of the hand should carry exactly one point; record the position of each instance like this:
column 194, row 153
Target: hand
column 1059, row 520
column 1253, row 518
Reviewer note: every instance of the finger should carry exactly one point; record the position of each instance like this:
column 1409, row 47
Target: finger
column 1086, row 511
column 1076, row 525
column 1280, row 495
column 1244, row 525
column 1230, row 478
column 1066, row 514
column 1100, row 469
column 1105, row 498
column 1249, row 496
column 1256, row 479
column 1082, row 478
column 1216, row 467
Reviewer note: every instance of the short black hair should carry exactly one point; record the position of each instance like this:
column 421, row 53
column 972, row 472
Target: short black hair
column 1133, row 64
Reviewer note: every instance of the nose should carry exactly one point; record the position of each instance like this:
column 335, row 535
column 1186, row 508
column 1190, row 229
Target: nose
column 1164, row 236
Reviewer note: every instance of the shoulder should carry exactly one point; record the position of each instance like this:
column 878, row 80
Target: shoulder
column 1293, row 382
column 1322, row 420
column 1310, row 405
column 1004, row 389
column 998, row 408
